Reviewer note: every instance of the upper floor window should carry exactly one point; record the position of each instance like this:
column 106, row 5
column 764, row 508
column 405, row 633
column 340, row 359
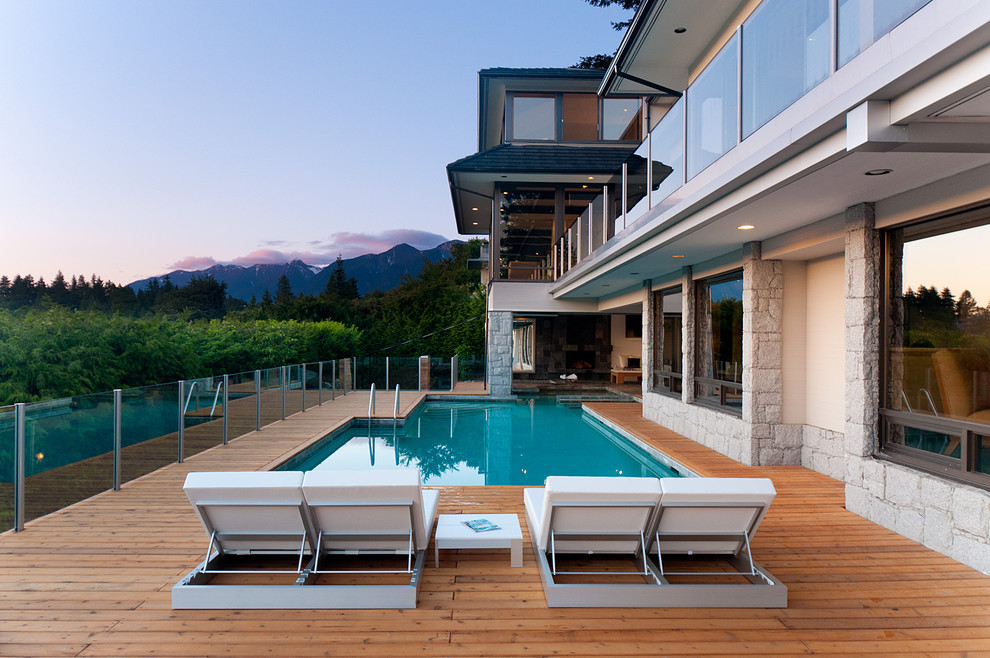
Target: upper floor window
column 571, row 118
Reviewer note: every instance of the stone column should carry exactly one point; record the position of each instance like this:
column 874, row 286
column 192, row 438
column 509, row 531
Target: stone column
column 499, row 353
column 689, row 313
column 651, row 332
column 862, row 311
column 763, row 315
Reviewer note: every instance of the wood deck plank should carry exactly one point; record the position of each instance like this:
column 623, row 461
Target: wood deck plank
column 94, row 579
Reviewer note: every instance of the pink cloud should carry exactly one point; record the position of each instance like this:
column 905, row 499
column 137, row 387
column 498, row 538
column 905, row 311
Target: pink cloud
column 322, row 252
column 193, row 263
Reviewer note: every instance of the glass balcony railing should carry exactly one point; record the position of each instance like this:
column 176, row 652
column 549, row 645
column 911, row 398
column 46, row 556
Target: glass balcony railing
column 76, row 447
column 787, row 56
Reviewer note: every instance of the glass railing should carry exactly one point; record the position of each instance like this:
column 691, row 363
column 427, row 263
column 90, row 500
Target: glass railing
column 6, row 468
column 73, row 448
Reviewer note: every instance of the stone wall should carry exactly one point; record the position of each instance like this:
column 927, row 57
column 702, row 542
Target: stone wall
column 823, row 450
column 499, row 353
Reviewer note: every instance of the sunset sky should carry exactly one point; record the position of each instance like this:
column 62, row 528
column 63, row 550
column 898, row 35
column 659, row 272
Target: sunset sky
column 141, row 137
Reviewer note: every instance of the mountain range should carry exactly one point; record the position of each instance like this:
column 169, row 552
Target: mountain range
column 381, row 271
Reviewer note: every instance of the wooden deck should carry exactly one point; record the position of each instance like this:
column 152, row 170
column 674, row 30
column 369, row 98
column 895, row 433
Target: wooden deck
column 94, row 579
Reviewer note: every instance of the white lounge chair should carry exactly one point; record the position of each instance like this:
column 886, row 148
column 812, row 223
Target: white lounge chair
column 251, row 513
column 321, row 513
column 371, row 512
column 593, row 515
column 690, row 516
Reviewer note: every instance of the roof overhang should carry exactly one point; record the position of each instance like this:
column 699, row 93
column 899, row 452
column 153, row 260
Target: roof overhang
column 472, row 179
column 652, row 58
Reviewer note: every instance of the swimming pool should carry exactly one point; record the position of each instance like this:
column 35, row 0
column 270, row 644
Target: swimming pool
column 517, row 442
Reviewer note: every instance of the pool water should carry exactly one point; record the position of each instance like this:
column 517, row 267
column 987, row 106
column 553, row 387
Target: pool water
column 486, row 443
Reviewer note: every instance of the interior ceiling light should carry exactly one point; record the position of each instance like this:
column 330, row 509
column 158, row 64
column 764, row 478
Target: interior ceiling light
column 475, row 223
column 878, row 172
column 746, row 227
column 678, row 255
column 680, row 30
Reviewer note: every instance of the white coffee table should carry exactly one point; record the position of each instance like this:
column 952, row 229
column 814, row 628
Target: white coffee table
column 452, row 533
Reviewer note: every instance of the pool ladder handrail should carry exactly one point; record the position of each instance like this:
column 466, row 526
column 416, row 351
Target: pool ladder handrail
column 371, row 401
column 395, row 408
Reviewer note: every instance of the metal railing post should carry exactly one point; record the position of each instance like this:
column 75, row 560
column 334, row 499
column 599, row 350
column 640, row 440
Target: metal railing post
column 319, row 379
column 353, row 375
column 302, row 377
column 625, row 192
column 182, row 416
column 116, row 439
column 257, row 400
column 333, row 380
column 386, row 374
column 281, row 373
column 19, row 453
column 226, row 404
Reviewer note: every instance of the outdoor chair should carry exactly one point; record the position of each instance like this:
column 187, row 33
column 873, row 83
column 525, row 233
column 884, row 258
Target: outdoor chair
column 251, row 514
column 714, row 517
column 370, row 512
column 593, row 515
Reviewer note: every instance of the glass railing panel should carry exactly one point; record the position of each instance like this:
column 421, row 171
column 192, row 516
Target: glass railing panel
column 242, row 408
column 311, row 378
column 203, row 415
column 404, row 371
column 439, row 373
column 370, row 370
column 293, row 389
column 149, row 420
column 6, row 468
column 331, row 385
column 471, row 368
column 271, row 395
column 712, row 110
column 598, row 222
column 636, row 192
column 785, row 51
column 862, row 22
column 667, row 141
column 68, row 446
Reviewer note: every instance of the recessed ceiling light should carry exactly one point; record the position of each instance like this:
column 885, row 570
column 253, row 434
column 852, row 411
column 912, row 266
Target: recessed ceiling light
column 506, row 193
column 584, row 187
column 678, row 255
column 680, row 30
column 746, row 227
column 878, row 172
column 591, row 178
column 473, row 208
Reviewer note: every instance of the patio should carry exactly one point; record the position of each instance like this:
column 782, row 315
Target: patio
column 95, row 579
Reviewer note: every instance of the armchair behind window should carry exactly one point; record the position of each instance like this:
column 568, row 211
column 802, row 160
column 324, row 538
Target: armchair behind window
column 964, row 383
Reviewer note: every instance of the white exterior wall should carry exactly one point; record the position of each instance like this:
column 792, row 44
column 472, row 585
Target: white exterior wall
column 825, row 401
column 794, row 347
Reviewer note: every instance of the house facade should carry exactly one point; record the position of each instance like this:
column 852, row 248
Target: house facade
column 780, row 222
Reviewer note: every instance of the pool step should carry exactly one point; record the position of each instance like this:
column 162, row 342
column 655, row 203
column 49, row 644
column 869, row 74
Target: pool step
column 578, row 400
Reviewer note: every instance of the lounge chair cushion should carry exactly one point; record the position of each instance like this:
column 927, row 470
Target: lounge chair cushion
column 590, row 490
column 261, row 503
column 692, row 505
column 322, row 487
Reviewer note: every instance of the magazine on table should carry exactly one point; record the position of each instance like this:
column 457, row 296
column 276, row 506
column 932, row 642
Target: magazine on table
column 481, row 525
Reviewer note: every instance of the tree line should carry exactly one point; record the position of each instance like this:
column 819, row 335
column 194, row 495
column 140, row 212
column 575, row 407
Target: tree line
column 92, row 336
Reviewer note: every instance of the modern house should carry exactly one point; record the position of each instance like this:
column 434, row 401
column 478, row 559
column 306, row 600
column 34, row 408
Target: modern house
column 777, row 213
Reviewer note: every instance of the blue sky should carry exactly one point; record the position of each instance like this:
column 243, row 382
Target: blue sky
column 136, row 137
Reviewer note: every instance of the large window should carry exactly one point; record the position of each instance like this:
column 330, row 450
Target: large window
column 784, row 54
column 719, row 341
column 937, row 410
column 668, row 367
column 712, row 120
column 861, row 22
column 526, row 231
column 572, row 117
